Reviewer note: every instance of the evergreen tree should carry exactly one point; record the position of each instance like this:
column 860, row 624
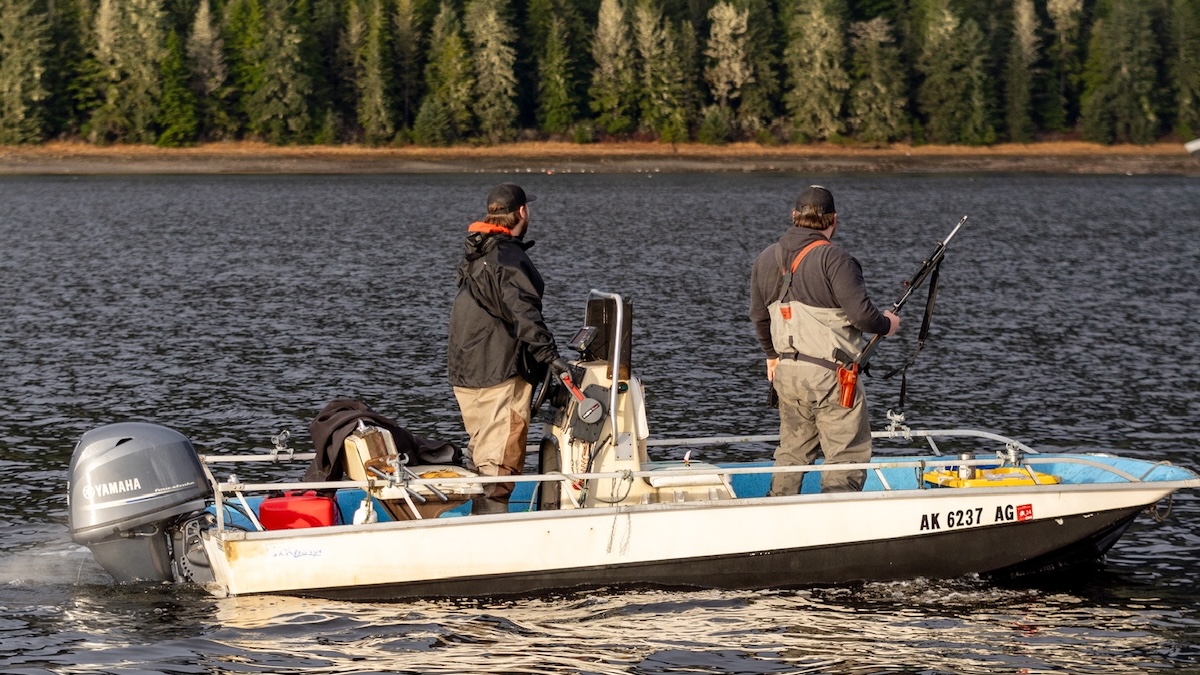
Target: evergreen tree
column 69, row 89
column 278, row 109
column 177, row 113
column 449, row 77
column 728, row 69
column 334, row 97
column 557, row 107
column 560, row 20
column 495, row 75
column 1022, row 59
column 815, row 58
column 1120, row 81
column 433, row 125
column 647, row 32
column 663, row 98
column 691, row 71
column 206, row 53
column 407, row 46
column 614, row 90
column 245, row 26
column 128, row 45
column 877, row 100
column 758, row 94
column 1065, row 15
column 954, row 94
column 366, row 42
column 24, row 53
column 1185, row 66
column 677, row 107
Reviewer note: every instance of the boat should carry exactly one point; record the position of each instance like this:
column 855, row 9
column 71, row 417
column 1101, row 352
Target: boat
column 599, row 512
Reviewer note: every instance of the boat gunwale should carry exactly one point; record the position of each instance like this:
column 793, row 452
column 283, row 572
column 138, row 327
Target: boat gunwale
column 1014, row 454
column 1164, row 488
column 730, row 469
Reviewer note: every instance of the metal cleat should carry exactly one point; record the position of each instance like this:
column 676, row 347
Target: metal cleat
column 280, row 442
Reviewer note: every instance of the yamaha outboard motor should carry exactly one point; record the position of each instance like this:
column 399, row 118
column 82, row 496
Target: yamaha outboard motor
column 128, row 483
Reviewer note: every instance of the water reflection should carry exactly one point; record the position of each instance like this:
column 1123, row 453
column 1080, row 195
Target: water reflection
column 959, row 627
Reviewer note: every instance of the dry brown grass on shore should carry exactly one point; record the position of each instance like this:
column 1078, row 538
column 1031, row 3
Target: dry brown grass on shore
column 243, row 149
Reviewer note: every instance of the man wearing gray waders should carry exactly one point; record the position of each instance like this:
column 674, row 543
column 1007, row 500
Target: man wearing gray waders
column 809, row 307
column 499, row 344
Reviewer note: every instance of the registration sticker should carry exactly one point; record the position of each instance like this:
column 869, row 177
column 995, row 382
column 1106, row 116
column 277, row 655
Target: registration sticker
column 1024, row 512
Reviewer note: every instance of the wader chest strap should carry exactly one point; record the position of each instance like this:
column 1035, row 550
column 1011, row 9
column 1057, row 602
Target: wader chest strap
column 788, row 272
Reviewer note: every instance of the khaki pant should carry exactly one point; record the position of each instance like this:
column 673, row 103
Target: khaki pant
column 497, row 421
column 810, row 417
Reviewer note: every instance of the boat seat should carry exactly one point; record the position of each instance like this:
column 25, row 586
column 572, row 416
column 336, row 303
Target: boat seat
column 458, row 494
column 670, row 484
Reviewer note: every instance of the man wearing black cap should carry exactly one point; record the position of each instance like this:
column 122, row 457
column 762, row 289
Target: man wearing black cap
column 499, row 344
column 809, row 307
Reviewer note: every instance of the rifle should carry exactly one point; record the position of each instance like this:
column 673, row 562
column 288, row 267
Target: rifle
column 848, row 369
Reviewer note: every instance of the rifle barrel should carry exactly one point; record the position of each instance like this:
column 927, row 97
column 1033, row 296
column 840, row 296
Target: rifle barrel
column 912, row 284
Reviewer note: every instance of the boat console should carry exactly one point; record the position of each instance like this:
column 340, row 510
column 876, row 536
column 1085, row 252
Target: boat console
column 585, row 436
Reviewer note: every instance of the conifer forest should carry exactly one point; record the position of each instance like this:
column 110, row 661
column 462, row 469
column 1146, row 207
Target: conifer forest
column 446, row 72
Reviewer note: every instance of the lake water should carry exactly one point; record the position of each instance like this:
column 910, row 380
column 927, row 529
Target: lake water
column 234, row 307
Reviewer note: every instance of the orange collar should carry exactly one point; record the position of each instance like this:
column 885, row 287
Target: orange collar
column 488, row 228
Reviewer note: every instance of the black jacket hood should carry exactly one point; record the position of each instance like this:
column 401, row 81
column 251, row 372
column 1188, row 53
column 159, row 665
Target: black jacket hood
column 477, row 244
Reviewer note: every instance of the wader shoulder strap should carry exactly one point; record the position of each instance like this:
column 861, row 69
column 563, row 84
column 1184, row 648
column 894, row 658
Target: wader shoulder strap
column 788, row 272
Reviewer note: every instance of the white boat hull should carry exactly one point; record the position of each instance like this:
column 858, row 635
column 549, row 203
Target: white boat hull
column 804, row 540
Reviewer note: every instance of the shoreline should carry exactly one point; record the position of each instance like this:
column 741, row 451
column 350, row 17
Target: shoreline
column 1070, row 157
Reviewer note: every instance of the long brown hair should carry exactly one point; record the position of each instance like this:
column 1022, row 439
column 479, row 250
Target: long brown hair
column 505, row 220
column 813, row 217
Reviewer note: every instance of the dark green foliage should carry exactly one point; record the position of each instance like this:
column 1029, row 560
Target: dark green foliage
column 716, row 127
column 451, row 71
column 277, row 107
column 614, row 89
column 877, row 103
column 127, row 42
column 177, row 112
column 1184, row 66
column 433, row 126
column 449, row 76
column 366, row 43
column 210, row 75
column 1120, row 83
column 816, row 62
column 562, row 22
column 1019, row 74
column 24, row 53
column 244, row 27
column 557, row 107
column 64, row 72
column 954, row 97
column 407, row 60
column 763, row 45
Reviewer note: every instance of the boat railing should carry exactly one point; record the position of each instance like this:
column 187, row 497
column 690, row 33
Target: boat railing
column 1015, row 454
column 878, row 466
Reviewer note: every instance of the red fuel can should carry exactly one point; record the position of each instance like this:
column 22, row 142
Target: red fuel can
column 292, row 511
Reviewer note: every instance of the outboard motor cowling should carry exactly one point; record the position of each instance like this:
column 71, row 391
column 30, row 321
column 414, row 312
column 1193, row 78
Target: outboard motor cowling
column 127, row 483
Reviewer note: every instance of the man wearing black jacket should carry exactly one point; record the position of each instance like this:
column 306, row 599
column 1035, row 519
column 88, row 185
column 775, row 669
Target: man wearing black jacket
column 809, row 307
column 499, row 344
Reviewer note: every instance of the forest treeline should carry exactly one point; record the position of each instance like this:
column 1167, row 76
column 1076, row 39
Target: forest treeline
column 440, row 72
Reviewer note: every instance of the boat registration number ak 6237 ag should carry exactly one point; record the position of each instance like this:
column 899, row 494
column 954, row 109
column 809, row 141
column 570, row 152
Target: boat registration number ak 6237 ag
column 1004, row 513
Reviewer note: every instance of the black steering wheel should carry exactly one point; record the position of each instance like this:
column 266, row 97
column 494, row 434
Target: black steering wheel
column 542, row 392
